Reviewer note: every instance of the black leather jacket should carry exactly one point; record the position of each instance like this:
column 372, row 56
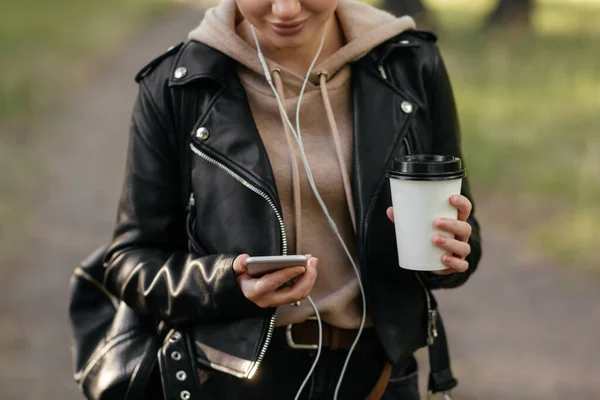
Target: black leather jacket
column 194, row 147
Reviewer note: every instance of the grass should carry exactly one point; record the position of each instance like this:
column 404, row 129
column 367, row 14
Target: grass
column 46, row 48
column 43, row 44
column 529, row 104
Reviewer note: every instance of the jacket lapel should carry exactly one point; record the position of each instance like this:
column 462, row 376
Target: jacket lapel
column 233, row 138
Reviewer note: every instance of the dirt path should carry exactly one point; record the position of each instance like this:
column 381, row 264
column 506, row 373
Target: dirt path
column 521, row 329
column 84, row 147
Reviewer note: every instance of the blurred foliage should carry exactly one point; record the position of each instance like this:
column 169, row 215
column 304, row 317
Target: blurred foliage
column 47, row 48
column 44, row 43
column 529, row 104
column 550, row 16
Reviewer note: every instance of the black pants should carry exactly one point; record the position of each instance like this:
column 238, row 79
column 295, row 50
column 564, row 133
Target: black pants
column 284, row 369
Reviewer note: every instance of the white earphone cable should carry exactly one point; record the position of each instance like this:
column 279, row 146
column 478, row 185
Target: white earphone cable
column 318, row 355
column 298, row 136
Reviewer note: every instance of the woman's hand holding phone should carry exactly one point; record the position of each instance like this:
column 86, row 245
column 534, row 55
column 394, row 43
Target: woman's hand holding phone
column 269, row 290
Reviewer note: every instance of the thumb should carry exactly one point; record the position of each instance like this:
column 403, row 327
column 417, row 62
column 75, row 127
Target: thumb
column 239, row 264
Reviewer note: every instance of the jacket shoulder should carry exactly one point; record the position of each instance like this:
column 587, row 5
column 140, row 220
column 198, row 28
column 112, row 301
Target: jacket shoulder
column 422, row 36
column 419, row 44
column 159, row 64
column 417, row 47
column 411, row 39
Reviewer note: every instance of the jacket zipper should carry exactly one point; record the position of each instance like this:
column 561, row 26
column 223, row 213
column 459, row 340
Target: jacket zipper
column 193, row 245
column 407, row 145
column 382, row 72
column 284, row 249
column 432, row 332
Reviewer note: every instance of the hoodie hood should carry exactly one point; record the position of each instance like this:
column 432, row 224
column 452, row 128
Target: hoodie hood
column 364, row 28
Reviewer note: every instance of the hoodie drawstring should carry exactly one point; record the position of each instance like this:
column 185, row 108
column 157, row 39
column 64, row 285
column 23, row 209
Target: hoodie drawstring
column 338, row 146
column 291, row 141
column 294, row 161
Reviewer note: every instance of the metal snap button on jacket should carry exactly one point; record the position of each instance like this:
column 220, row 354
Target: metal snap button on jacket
column 180, row 72
column 202, row 133
column 406, row 107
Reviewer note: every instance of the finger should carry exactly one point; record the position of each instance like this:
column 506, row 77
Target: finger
column 453, row 246
column 239, row 264
column 454, row 263
column 390, row 213
column 304, row 284
column 261, row 291
column 463, row 205
column 273, row 281
column 299, row 291
column 461, row 229
column 444, row 272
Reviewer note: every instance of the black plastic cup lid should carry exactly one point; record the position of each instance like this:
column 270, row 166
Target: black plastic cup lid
column 426, row 167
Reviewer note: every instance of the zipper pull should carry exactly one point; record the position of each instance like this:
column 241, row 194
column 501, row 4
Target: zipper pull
column 191, row 204
column 382, row 72
column 432, row 332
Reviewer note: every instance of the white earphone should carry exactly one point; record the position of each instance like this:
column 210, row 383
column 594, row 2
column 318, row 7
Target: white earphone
column 298, row 136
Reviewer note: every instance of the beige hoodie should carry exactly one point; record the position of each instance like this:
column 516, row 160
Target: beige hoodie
column 326, row 120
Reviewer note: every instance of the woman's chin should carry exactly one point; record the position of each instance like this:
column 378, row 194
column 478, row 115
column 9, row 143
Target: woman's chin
column 286, row 42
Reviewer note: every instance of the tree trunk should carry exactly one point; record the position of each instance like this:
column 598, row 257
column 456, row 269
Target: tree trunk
column 511, row 14
column 403, row 7
column 414, row 8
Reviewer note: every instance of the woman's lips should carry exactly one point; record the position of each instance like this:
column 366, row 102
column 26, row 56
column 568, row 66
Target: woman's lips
column 288, row 29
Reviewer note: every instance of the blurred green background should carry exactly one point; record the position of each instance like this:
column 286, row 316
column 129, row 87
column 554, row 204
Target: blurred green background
column 528, row 98
column 48, row 51
column 528, row 94
column 529, row 103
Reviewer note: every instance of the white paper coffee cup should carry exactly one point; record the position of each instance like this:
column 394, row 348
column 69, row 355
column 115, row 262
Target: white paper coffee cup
column 421, row 188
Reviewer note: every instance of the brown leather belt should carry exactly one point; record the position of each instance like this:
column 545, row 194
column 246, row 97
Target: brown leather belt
column 305, row 335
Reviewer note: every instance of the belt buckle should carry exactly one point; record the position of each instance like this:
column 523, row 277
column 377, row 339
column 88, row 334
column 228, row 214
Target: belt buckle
column 290, row 341
column 447, row 395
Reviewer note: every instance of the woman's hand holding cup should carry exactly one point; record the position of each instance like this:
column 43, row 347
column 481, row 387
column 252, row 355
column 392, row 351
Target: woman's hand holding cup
column 270, row 289
column 457, row 249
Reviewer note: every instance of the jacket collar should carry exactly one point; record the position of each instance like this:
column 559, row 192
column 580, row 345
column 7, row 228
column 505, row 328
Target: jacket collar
column 199, row 61
column 204, row 62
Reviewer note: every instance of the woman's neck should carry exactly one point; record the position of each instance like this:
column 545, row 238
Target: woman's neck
column 298, row 59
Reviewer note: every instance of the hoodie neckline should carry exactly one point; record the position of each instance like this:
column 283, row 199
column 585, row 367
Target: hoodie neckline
column 364, row 27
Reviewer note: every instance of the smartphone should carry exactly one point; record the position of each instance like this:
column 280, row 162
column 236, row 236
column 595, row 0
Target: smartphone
column 259, row 266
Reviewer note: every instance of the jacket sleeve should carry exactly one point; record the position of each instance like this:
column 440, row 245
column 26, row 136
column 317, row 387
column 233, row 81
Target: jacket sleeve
column 446, row 140
column 148, row 265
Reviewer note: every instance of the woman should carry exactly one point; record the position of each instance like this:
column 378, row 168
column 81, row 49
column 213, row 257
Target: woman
column 215, row 172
